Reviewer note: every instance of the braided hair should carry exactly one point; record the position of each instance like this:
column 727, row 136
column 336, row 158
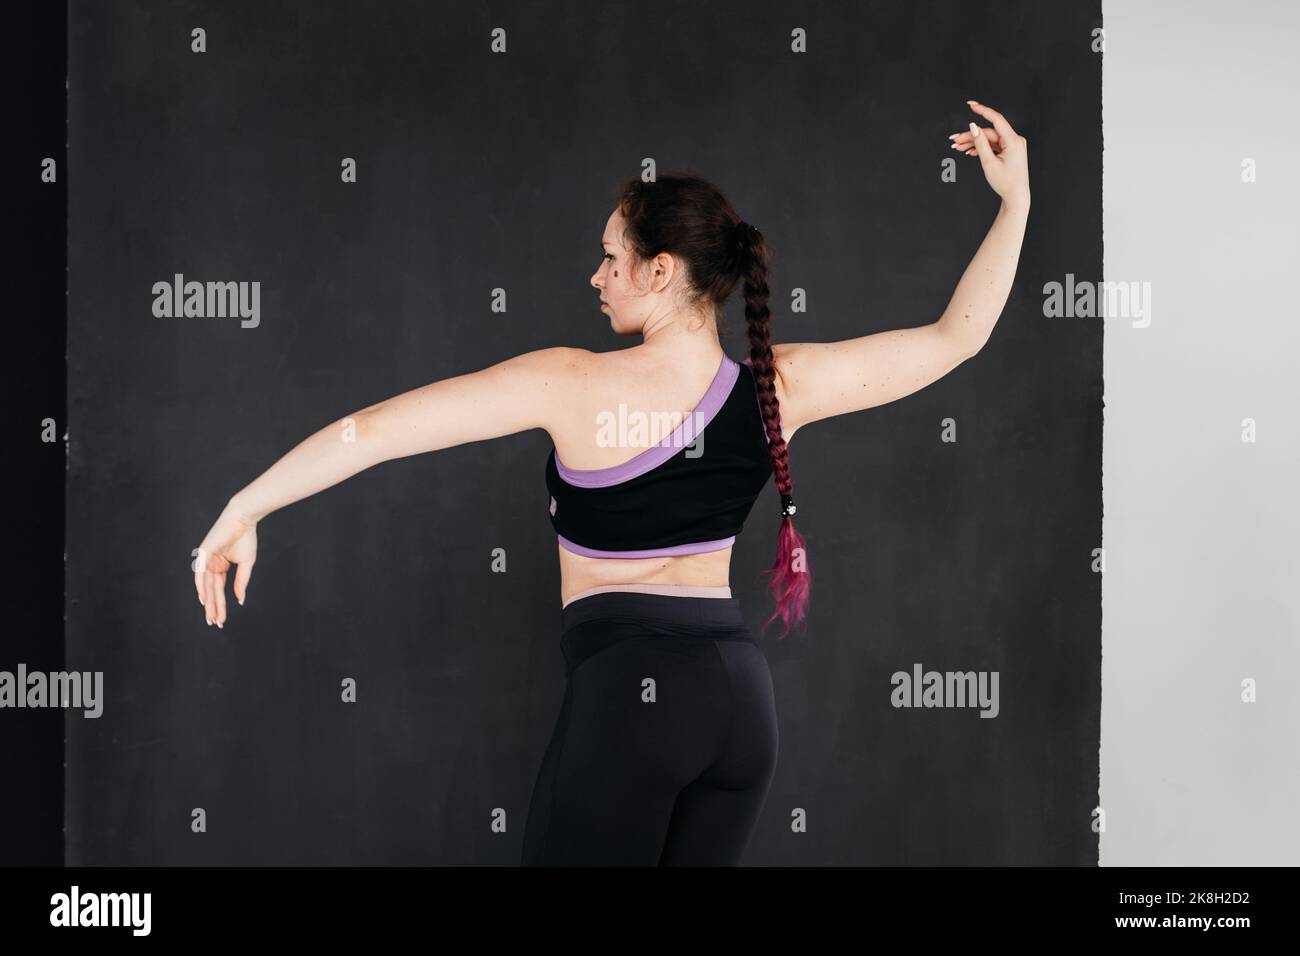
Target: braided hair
column 689, row 217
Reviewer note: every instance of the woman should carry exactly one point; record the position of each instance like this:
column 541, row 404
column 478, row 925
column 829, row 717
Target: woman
column 667, row 737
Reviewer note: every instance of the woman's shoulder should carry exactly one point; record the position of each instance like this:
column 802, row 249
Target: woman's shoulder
column 560, row 361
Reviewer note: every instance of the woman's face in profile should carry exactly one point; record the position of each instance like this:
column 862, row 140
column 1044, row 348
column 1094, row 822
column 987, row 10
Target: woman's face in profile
column 626, row 305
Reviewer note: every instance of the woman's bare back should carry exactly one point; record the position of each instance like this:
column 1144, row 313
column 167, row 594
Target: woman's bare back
column 662, row 383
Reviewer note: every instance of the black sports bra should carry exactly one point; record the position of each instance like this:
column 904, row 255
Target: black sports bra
column 689, row 494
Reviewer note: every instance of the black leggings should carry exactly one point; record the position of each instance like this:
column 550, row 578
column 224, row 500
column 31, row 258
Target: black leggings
column 666, row 741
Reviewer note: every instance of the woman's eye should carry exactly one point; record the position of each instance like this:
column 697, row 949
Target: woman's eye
column 608, row 255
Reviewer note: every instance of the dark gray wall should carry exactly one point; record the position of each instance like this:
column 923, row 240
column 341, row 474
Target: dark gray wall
column 480, row 170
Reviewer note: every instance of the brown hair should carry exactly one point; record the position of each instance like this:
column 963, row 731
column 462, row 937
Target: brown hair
column 687, row 216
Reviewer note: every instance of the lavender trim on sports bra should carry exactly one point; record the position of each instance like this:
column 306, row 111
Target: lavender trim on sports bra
column 694, row 547
column 656, row 455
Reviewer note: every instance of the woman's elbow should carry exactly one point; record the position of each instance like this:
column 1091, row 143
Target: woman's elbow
column 369, row 435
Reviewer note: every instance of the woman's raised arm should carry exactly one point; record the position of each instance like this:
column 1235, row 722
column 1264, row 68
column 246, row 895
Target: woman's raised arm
column 518, row 394
column 820, row 379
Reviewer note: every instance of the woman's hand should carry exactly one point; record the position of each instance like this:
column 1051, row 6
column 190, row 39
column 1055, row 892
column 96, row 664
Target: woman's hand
column 232, row 540
column 1003, row 154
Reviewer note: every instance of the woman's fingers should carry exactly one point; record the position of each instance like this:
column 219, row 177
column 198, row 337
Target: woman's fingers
column 963, row 141
column 987, row 159
column 208, row 603
column 999, row 121
column 220, row 589
column 243, row 572
column 200, row 566
column 210, row 574
column 231, row 541
column 964, row 136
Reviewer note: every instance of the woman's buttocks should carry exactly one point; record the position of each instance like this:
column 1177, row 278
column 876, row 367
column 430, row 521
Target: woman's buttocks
column 681, row 683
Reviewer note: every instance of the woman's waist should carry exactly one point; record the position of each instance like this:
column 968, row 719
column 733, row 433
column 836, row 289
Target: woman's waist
column 606, row 615
column 710, row 571
column 668, row 590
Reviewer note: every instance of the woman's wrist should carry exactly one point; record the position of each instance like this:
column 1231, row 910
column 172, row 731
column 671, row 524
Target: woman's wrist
column 1016, row 203
column 237, row 507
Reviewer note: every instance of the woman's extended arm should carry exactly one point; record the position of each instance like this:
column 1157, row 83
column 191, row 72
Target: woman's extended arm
column 512, row 396
column 820, row 379
column 515, row 395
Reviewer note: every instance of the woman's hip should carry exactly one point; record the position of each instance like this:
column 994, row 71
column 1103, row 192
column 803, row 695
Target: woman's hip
column 650, row 621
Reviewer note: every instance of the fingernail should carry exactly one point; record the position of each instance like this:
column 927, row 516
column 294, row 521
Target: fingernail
column 219, row 627
column 974, row 130
column 972, row 102
column 241, row 602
